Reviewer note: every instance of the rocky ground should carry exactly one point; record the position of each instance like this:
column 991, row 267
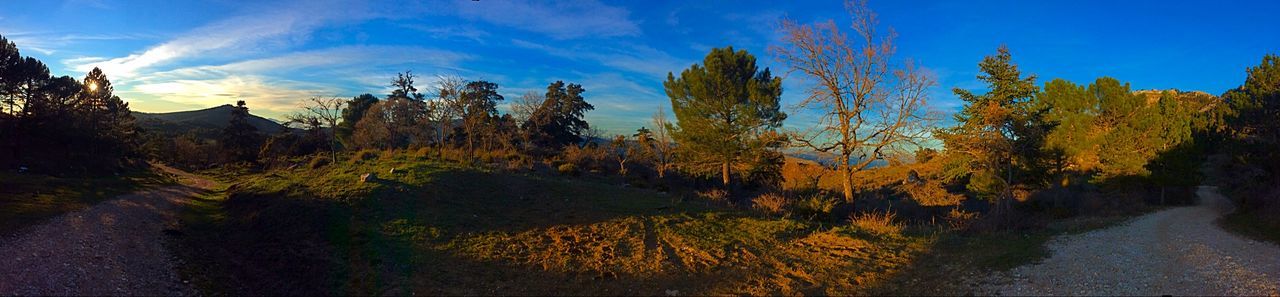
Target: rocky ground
column 1177, row 251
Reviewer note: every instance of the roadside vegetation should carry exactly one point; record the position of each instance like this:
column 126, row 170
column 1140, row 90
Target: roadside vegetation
column 30, row 199
column 435, row 191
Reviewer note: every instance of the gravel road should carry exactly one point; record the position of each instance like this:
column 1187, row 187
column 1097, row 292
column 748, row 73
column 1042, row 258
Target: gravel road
column 1177, row 251
column 113, row 248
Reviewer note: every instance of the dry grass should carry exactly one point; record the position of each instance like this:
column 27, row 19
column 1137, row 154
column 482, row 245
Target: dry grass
column 770, row 203
column 958, row 219
column 877, row 223
column 716, row 195
column 427, row 231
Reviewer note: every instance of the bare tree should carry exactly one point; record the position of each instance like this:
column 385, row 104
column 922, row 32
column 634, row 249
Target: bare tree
column 663, row 148
column 319, row 111
column 446, row 106
column 523, row 107
column 870, row 107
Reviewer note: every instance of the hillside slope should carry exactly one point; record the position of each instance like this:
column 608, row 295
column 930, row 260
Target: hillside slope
column 214, row 118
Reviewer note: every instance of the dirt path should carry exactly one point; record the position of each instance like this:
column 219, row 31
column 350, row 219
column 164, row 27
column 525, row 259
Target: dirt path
column 1178, row 251
column 113, row 248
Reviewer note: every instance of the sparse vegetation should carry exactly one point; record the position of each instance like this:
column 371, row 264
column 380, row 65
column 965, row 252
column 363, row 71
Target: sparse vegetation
column 878, row 223
column 439, row 192
column 770, row 203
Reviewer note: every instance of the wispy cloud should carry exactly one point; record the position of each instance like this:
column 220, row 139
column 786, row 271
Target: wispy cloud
column 451, row 31
column 272, row 27
column 639, row 59
column 48, row 43
column 558, row 19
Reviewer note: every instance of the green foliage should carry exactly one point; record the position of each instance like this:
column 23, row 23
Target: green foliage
column 356, row 107
column 48, row 123
column 479, row 102
column 998, row 128
column 240, row 140
column 723, row 109
column 559, row 120
column 1255, row 105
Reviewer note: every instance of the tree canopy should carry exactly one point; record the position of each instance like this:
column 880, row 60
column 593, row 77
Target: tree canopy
column 723, row 108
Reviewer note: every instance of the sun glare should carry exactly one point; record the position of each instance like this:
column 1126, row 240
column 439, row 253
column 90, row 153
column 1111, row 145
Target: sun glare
column 93, row 86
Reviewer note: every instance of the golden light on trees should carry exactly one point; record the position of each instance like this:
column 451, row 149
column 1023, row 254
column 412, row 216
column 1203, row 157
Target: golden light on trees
column 93, row 86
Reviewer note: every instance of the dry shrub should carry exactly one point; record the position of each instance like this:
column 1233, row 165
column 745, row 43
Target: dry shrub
column 568, row 169
column 877, row 223
column 714, row 194
column 519, row 162
column 930, row 193
column 422, row 152
column 770, row 203
column 958, row 219
column 319, row 161
column 814, row 205
column 453, row 154
column 365, row 155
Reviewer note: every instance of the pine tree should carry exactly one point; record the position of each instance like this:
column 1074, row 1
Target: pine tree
column 559, row 120
column 992, row 129
column 239, row 138
column 356, row 107
column 722, row 108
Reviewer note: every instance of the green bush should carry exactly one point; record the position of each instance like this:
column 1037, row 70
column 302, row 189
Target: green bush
column 816, row 205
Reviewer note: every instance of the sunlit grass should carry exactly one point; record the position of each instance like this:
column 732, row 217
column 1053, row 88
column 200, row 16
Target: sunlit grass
column 442, row 228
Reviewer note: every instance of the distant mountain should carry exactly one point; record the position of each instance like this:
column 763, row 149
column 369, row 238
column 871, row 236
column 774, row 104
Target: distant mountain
column 205, row 122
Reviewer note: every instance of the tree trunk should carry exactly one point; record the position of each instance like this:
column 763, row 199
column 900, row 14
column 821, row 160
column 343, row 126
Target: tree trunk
column 846, row 178
column 724, row 171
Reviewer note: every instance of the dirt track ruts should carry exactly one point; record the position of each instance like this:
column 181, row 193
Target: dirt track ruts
column 116, row 247
column 1177, row 251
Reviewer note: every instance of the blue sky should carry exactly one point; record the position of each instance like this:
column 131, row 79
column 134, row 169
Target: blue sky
column 180, row 55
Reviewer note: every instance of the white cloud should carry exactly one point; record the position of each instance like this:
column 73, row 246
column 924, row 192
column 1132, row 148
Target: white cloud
column 451, row 31
column 638, row 59
column 558, row 19
column 266, row 95
column 272, row 26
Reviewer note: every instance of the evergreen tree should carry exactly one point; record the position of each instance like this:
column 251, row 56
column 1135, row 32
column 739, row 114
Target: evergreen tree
column 407, row 110
column 479, row 111
column 239, row 138
column 356, row 107
column 722, row 108
column 10, row 63
column 1255, row 105
column 559, row 120
column 993, row 128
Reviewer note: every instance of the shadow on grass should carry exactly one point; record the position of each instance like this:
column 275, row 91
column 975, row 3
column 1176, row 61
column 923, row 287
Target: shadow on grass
column 397, row 239
column 30, row 199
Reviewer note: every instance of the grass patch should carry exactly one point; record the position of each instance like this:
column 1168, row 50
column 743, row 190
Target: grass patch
column 1251, row 225
column 439, row 229
column 30, row 199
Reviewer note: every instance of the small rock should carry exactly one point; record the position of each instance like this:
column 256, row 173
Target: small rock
column 673, row 292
